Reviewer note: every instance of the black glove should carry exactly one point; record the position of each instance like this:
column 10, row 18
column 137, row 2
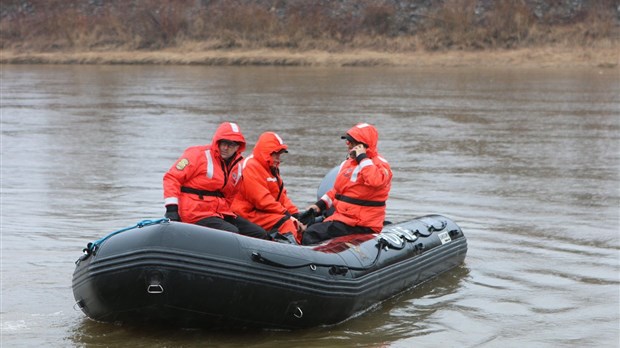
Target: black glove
column 358, row 153
column 286, row 238
column 307, row 217
column 172, row 212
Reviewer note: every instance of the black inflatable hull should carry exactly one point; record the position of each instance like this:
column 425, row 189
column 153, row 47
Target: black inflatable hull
column 191, row 276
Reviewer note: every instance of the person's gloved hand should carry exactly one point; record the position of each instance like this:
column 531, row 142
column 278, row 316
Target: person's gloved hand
column 287, row 238
column 300, row 226
column 358, row 152
column 172, row 212
column 307, row 217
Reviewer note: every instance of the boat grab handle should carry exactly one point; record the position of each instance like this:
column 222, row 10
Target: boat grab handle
column 155, row 289
column 79, row 303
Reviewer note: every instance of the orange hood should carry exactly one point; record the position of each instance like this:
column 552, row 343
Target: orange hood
column 229, row 131
column 268, row 143
column 367, row 134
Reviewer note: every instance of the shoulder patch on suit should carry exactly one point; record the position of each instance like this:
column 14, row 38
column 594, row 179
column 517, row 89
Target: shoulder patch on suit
column 182, row 164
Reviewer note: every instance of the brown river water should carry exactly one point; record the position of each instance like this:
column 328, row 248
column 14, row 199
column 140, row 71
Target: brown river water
column 527, row 162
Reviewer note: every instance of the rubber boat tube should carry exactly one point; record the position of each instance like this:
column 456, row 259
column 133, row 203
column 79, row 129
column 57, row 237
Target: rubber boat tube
column 191, row 276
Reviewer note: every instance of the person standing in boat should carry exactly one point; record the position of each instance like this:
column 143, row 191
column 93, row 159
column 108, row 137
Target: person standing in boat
column 361, row 188
column 262, row 197
column 201, row 185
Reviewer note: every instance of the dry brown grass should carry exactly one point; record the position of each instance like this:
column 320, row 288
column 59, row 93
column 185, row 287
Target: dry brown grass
column 297, row 33
column 548, row 57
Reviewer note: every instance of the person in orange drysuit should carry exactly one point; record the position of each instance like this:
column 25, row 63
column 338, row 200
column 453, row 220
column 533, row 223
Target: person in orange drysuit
column 361, row 188
column 200, row 187
column 262, row 197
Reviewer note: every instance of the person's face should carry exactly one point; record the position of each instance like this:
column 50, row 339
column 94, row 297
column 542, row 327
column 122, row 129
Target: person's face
column 351, row 144
column 275, row 159
column 228, row 148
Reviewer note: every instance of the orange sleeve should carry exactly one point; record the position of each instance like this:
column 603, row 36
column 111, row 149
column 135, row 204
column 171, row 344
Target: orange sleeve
column 177, row 175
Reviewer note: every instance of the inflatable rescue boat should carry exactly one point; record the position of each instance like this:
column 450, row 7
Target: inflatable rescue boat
column 192, row 276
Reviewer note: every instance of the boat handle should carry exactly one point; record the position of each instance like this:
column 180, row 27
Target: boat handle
column 79, row 303
column 298, row 313
column 155, row 289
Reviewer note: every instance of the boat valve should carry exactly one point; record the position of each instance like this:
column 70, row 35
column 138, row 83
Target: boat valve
column 454, row 233
column 338, row 270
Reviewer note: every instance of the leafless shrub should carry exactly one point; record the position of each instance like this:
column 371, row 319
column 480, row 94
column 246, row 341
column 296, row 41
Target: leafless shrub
column 378, row 19
column 453, row 25
column 45, row 25
column 508, row 24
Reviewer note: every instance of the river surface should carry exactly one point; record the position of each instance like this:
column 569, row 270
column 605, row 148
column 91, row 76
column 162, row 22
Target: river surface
column 527, row 162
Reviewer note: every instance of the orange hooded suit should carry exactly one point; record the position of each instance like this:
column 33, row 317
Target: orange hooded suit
column 361, row 189
column 201, row 183
column 262, row 198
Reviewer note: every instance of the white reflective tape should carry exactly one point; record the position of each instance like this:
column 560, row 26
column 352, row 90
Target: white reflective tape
column 171, row 200
column 209, row 164
column 341, row 164
column 354, row 174
column 234, row 127
column 279, row 139
column 364, row 163
column 362, row 125
column 272, row 179
column 245, row 161
column 239, row 172
column 382, row 159
column 327, row 200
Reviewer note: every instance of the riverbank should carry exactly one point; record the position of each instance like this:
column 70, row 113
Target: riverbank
column 454, row 33
column 547, row 57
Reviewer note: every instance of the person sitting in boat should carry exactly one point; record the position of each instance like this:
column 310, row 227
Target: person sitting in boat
column 361, row 188
column 201, row 185
column 262, row 197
